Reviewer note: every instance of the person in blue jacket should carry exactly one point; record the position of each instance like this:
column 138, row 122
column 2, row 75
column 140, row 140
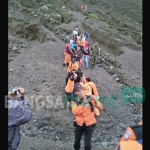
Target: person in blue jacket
column 86, row 36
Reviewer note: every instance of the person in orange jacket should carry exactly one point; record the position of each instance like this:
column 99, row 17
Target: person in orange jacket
column 72, row 66
column 84, row 110
column 93, row 86
column 67, row 52
column 132, row 138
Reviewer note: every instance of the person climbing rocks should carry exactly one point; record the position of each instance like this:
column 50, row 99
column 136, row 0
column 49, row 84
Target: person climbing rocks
column 19, row 113
column 95, row 52
column 85, row 55
column 132, row 138
column 78, row 55
column 83, row 108
column 72, row 66
column 92, row 85
column 67, row 52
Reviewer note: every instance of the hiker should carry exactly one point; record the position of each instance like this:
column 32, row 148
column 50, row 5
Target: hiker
column 67, row 52
column 81, row 36
column 78, row 55
column 86, row 36
column 74, row 45
column 19, row 113
column 132, row 138
column 72, row 66
column 87, row 89
column 75, row 33
column 72, row 79
column 83, row 108
column 81, row 43
column 93, row 86
column 85, row 56
column 95, row 52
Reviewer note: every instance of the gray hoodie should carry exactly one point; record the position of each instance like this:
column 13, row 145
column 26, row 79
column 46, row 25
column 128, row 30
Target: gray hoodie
column 19, row 113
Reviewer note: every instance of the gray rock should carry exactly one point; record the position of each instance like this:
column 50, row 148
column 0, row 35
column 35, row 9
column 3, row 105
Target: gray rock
column 111, row 67
column 11, row 70
column 121, row 125
column 117, row 79
column 104, row 144
column 14, row 48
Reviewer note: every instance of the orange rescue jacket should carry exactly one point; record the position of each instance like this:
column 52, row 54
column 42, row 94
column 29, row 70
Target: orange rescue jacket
column 93, row 87
column 83, row 114
column 72, row 66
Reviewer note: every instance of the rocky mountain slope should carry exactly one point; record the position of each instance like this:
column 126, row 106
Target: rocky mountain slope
column 36, row 39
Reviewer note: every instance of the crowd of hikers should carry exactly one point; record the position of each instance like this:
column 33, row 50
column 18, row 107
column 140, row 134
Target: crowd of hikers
column 77, row 51
column 83, row 98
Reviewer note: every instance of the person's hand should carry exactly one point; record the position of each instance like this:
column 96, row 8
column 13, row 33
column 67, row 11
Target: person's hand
column 20, row 93
column 75, row 75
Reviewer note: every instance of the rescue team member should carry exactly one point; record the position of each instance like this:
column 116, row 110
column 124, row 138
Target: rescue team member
column 67, row 52
column 72, row 80
column 87, row 89
column 85, row 120
column 93, row 86
column 132, row 138
column 69, row 89
column 72, row 66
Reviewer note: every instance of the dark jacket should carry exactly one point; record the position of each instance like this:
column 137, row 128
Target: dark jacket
column 77, row 55
column 19, row 113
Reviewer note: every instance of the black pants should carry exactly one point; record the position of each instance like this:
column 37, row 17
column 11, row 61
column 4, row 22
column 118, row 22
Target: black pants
column 87, row 131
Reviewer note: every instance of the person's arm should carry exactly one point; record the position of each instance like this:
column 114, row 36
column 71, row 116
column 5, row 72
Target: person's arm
column 69, row 49
column 19, row 112
column 95, row 102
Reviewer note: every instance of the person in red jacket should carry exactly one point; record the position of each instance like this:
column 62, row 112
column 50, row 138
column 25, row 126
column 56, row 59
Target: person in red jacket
column 67, row 52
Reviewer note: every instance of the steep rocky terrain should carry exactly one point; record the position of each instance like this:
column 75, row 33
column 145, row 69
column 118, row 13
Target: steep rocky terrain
column 36, row 38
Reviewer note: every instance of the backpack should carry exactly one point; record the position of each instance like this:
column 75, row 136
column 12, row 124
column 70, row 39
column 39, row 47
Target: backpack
column 85, row 50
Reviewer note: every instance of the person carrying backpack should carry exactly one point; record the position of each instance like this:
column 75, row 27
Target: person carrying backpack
column 67, row 52
column 83, row 107
column 85, row 56
column 72, row 66
column 19, row 113
column 93, row 86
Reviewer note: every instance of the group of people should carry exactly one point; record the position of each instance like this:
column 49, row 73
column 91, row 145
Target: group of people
column 83, row 98
column 77, row 51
